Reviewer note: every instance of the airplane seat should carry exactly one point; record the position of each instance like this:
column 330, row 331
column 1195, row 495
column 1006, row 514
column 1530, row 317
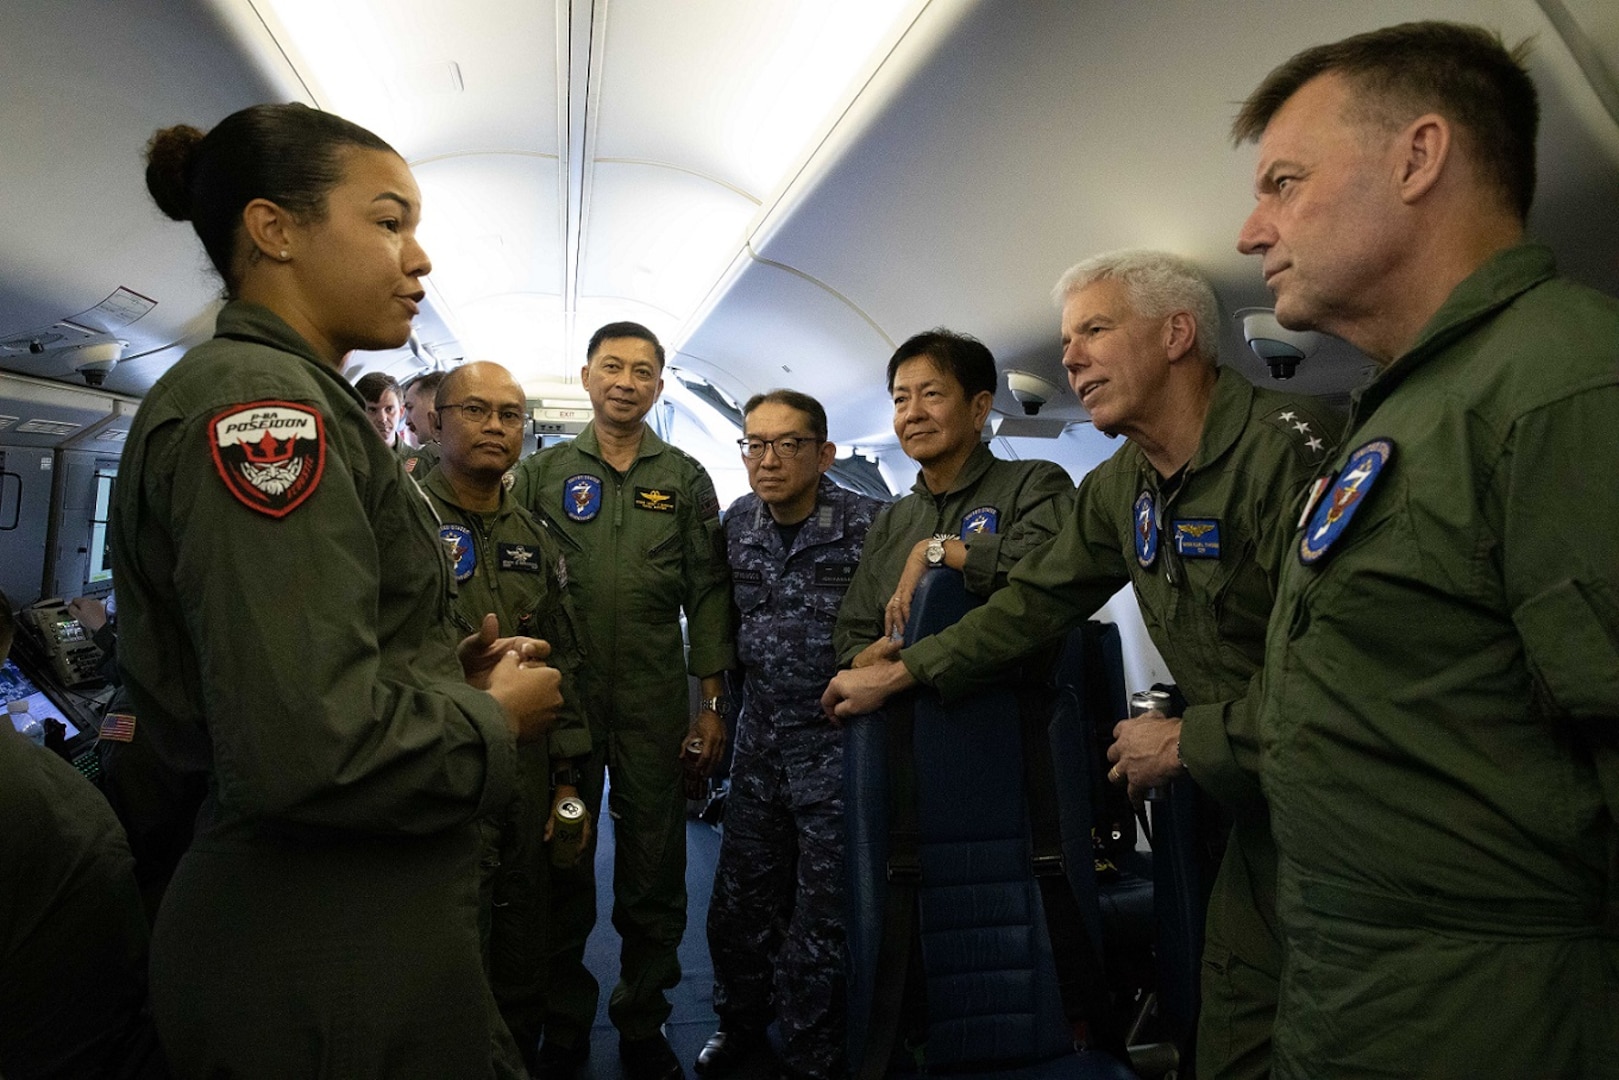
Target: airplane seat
column 944, row 895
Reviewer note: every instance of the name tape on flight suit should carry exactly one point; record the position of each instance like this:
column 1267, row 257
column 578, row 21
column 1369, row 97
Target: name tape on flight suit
column 269, row 453
column 664, row 502
column 519, row 557
column 1197, row 538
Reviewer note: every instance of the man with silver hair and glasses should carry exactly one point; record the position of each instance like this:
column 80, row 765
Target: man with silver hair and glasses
column 1195, row 511
column 1438, row 723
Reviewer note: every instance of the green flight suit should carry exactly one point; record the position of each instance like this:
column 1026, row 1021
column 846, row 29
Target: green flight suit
column 419, row 460
column 72, row 927
column 1001, row 509
column 508, row 562
column 1438, row 724
column 284, row 616
column 1222, row 527
column 642, row 547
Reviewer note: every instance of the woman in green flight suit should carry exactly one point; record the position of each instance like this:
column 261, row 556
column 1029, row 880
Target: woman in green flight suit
column 285, row 623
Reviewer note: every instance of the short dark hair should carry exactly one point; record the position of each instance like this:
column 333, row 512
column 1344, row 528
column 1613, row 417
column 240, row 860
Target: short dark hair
column 963, row 356
column 793, row 399
column 288, row 154
column 425, row 383
column 1465, row 73
column 373, row 385
column 624, row 329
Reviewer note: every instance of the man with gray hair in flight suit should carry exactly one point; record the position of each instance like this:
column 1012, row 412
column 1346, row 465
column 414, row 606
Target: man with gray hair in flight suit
column 1191, row 512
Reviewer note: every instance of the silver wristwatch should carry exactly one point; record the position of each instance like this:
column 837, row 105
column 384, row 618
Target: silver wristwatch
column 935, row 549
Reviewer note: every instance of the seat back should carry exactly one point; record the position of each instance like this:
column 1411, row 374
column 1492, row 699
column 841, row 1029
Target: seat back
column 991, row 990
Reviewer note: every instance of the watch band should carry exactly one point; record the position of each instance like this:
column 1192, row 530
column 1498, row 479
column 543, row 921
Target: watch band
column 719, row 706
column 563, row 774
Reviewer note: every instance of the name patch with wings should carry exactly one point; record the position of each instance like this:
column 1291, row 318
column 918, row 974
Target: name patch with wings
column 1197, row 538
column 269, row 453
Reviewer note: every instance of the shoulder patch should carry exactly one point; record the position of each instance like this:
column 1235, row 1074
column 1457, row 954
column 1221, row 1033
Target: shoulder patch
column 582, row 497
column 463, row 551
column 982, row 521
column 1145, row 514
column 269, row 453
column 1338, row 507
column 1301, row 431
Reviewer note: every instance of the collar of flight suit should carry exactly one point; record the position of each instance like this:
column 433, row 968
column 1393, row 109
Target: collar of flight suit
column 972, row 470
column 243, row 320
column 1503, row 278
column 1229, row 405
column 651, row 446
column 439, row 485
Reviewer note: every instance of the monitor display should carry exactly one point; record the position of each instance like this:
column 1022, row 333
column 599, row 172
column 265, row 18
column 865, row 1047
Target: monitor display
column 15, row 686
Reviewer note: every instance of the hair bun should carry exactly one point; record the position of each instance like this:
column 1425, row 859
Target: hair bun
column 169, row 156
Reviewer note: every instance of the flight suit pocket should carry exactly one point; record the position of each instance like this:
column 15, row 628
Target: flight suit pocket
column 1568, row 633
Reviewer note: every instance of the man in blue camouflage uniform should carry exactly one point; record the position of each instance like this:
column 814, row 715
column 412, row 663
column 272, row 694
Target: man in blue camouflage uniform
column 777, row 904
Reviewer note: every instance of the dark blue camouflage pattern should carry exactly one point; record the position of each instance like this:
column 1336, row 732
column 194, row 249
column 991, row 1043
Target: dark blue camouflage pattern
column 775, row 921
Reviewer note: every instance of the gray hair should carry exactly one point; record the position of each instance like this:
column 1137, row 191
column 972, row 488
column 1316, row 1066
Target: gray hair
column 1158, row 285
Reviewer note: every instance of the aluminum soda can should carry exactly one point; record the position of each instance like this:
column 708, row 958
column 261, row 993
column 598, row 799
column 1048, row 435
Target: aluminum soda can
column 1141, row 703
column 1145, row 701
column 567, row 832
column 696, row 783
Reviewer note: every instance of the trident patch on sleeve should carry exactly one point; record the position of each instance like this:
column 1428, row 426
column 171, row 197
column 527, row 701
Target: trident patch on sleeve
column 269, row 453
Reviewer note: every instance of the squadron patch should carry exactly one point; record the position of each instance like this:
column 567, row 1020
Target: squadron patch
column 582, row 497
column 519, row 557
column 1197, row 538
column 983, row 521
column 1338, row 507
column 462, row 549
column 664, row 502
column 269, row 453
column 1146, row 529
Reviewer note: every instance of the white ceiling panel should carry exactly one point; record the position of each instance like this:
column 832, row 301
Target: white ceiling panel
column 658, row 236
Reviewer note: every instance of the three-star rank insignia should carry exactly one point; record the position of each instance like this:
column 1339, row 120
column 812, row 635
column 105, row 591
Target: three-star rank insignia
column 582, row 497
column 983, row 521
column 1146, row 529
column 462, row 549
column 269, row 453
column 1298, row 427
column 1338, row 506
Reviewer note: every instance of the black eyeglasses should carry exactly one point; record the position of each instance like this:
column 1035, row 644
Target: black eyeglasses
column 786, row 446
column 478, row 413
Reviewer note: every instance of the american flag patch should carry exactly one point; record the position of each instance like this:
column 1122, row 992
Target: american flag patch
column 118, row 727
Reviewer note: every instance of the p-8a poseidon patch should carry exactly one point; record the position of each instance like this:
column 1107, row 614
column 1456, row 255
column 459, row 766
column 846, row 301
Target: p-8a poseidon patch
column 269, row 453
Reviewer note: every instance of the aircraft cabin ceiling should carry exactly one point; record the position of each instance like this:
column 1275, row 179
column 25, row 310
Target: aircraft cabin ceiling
column 782, row 189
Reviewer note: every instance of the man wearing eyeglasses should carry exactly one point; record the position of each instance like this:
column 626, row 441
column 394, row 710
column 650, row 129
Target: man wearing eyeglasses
column 639, row 523
column 506, row 562
column 774, row 923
